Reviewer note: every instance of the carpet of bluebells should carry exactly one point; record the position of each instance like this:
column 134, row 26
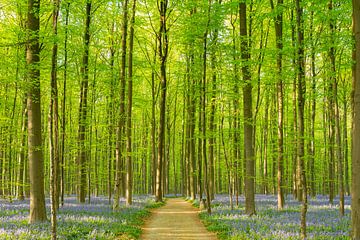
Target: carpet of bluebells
column 96, row 220
column 323, row 220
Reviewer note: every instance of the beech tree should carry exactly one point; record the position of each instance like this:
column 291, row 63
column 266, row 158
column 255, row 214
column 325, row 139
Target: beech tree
column 119, row 183
column 355, row 183
column 54, row 125
column 163, row 50
column 301, row 86
column 278, row 21
column 35, row 145
column 129, row 172
column 82, row 158
column 248, row 115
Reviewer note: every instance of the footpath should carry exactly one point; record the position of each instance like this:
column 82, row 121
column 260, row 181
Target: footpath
column 176, row 220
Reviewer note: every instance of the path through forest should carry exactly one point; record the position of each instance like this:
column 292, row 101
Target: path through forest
column 176, row 220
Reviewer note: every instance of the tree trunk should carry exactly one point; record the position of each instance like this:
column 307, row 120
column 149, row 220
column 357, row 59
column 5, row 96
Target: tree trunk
column 21, row 173
column 295, row 177
column 355, row 183
column 163, row 47
column 36, row 160
column 301, row 104
column 129, row 173
column 336, row 115
column 346, row 148
column 266, row 147
column 82, row 156
column 236, row 136
column 311, row 148
column 280, row 102
column 203, row 115
column 121, row 121
column 153, row 125
column 62, row 166
column 248, row 116
column 54, row 126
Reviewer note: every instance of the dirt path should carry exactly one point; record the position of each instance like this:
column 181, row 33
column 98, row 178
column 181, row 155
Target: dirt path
column 176, row 220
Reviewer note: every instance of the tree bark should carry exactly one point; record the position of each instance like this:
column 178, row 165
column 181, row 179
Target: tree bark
column 129, row 173
column 355, row 183
column 163, row 47
column 346, row 148
column 335, row 112
column 236, row 125
column 36, row 160
column 280, row 102
column 82, row 157
column 301, row 104
column 311, row 147
column 121, row 122
column 248, row 116
column 21, row 173
column 54, row 126
column 62, row 165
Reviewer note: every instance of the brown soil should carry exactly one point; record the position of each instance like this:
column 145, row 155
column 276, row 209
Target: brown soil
column 176, row 220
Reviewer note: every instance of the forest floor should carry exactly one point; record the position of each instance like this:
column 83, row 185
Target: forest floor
column 178, row 219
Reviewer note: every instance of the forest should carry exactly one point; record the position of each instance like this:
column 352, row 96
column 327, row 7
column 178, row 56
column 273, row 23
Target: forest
column 247, row 109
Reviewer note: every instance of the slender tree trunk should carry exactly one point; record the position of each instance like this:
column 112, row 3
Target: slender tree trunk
column 183, row 168
column 229, row 169
column 129, row 173
column 192, row 156
column 295, row 172
column 335, row 110
column 110, row 119
column 248, row 116
column 203, row 116
column 212, row 125
column 21, row 173
column 355, row 183
column 199, row 170
column 236, row 152
column 54, row 126
column 331, row 124
column 266, row 147
column 346, row 148
column 121, row 121
column 333, row 118
column 153, row 124
column 301, row 104
column 93, row 122
column 63, row 132
column 163, row 47
column 280, row 102
column 82, row 156
column 175, row 171
column 311, row 148
column 36, row 160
